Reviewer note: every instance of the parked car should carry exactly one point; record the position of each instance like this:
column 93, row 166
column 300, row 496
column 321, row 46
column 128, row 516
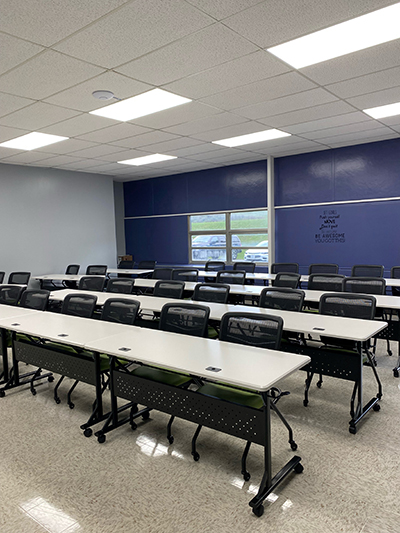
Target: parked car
column 215, row 241
column 256, row 255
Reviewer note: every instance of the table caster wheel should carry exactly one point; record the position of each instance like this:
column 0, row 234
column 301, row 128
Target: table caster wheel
column 2, row 394
column 171, row 439
column 50, row 379
column 319, row 384
column 258, row 511
column 88, row 432
column 376, row 407
column 293, row 445
column 395, row 373
column 133, row 426
column 146, row 415
column 196, row 456
column 33, row 392
column 305, row 403
column 57, row 400
column 71, row 405
column 101, row 439
column 246, row 476
column 352, row 430
column 299, row 468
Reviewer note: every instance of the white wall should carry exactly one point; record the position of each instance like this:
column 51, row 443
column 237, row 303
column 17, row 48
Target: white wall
column 51, row 218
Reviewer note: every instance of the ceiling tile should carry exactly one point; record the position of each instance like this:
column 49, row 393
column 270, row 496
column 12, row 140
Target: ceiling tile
column 241, row 71
column 164, row 147
column 323, row 123
column 285, row 104
column 14, row 51
column 260, row 91
column 147, row 138
column 97, row 151
column 26, row 157
column 84, row 164
column 123, row 156
column 45, row 74
column 134, row 30
column 366, row 61
column 196, row 151
column 58, row 160
column 355, row 141
column 114, row 133
column 376, row 133
column 367, row 84
column 388, row 96
column 222, row 9
column 37, row 116
column 78, row 125
column 10, row 103
column 230, row 131
column 285, row 153
column 177, row 115
column 206, row 124
column 263, row 24
column 300, row 144
column 196, row 52
column 342, row 130
column 10, row 133
column 65, row 147
column 80, row 97
column 47, row 22
column 8, row 152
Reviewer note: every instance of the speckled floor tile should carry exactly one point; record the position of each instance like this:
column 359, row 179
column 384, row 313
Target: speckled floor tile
column 54, row 479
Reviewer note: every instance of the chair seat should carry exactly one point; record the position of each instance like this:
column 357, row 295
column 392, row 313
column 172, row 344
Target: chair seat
column 161, row 376
column 248, row 399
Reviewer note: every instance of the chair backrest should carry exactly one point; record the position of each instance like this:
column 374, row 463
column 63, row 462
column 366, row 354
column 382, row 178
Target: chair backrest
column 72, row 269
column 169, row 289
column 79, row 305
column 282, row 298
column 233, row 277
column 284, row 267
column 96, row 270
column 162, row 273
column 120, row 285
column 211, row 292
column 348, row 305
column 326, row 282
column 91, row 283
column 323, row 268
column 120, row 310
column 264, row 331
column 395, row 273
column 35, row 299
column 19, row 278
column 147, row 265
column 185, row 274
column 215, row 266
column 247, row 266
column 2, row 274
column 189, row 319
column 365, row 285
column 367, row 271
column 286, row 279
column 125, row 264
column 10, row 294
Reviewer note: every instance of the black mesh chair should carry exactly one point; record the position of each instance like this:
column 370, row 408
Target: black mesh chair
column 284, row 267
column 72, row 269
column 282, row 298
column 187, row 319
column 247, row 266
column 395, row 274
column 367, row 271
column 185, row 274
column 120, row 285
column 2, row 274
column 286, row 279
column 125, row 264
column 231, row 277
column 211, row 292
column 169, row 289
column 91, row 283
column 120, row 310
column 365, row 285
column 263, row 331
column 150, row 265
column 213, row 266
column 19, row 278
column 326, row 282
column 96, row 270
column 162, row 273
column 35, row 299
column 323, row 268
column 10, row 294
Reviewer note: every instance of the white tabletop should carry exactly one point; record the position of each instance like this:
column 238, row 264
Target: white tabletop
column 244, row 366
column 65, row 277
column 11, row 311
column 134, row 271
column 383, row 301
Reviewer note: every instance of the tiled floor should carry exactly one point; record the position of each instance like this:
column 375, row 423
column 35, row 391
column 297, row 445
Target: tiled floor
column 54, row 479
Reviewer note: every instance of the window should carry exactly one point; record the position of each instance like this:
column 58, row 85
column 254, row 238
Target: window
column 229, row 237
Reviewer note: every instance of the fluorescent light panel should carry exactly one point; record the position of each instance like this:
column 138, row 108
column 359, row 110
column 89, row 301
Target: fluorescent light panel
column 260, row 136
column 33, row 140
column 141, row 105
column 357, row 34
column 147, row 160
column 383, row 111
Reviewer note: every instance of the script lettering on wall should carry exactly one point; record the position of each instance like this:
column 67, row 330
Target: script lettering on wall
column 328, row 228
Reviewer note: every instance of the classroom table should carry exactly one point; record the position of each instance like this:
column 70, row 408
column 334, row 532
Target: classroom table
column 247, row 367
column 130, row 271
column 72, row 278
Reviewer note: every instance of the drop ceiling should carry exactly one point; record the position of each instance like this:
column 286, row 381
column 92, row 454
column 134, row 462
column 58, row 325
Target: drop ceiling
column 55, row 54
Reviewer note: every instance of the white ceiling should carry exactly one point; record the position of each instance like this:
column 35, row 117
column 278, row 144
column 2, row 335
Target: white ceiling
column 55, row 54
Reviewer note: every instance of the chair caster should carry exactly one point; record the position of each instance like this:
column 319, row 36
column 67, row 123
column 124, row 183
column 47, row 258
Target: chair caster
column 390, row 352
column 196, row 456
column 376, row 407
column 319, row 384
column 133, row 426
column 57, row 400
column 299, row 468
column 2, row 394
column 353, row 430
column 33, row 392
column 258, row 511
column 305, row 403
column 146, row 415
column 171, row 439
column 293, row 445
column 71, row 405
column 88, row 432
column 101, row 439
column 246, row 475
column 395, row 374
column 50, row 379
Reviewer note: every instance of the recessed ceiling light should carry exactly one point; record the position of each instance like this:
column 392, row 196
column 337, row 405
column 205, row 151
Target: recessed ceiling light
column 382, row 111
column 147, row 159
column 260, row 136
column 141, row 105
column 362, row 32
column 33, row 140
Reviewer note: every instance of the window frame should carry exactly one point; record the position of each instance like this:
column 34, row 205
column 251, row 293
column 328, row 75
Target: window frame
column 228, row 232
